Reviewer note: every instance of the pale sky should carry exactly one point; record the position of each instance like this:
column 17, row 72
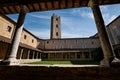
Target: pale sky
column 75, row 22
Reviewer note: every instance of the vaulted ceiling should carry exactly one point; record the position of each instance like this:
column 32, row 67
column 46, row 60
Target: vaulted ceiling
column 13, row 6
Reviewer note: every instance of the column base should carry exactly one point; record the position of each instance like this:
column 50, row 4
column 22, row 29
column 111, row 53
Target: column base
column 110, row 62
column 115, row 62
column 104, row 63
column 11, row 61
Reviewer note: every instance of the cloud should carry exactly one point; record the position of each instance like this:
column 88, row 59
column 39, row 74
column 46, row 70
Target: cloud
column 87, row 14
column 108, row 17
column 77, row 22
column 40, row 16
column 69, row 35
column 42, row 34
column 13, row 17
column 111, row 18
column 108, row 13
column 75, row 34
column 104, row 8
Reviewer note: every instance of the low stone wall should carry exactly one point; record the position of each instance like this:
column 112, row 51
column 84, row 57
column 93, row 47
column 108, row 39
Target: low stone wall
column 22, row 61
column 58, row 73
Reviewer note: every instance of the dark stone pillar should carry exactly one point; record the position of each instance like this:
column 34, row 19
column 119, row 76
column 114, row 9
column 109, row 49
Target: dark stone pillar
column 21, row 53
column 37, row 53
column 28, row 55
column 11, row 58
column 33, row 57
column 103, row 36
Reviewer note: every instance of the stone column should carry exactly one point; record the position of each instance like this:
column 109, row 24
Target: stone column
column 69, row 55
column 118, row 52
column 40, row 55
column 28, row 54
column 62, row 56
column 82, row 55
column 11, row 58
column 55, row 55
column 103, row 36
column 48, row 55
column 75, row 55
column 90, row 55
column 37, row 55
column 21, row 53
column 33, row 55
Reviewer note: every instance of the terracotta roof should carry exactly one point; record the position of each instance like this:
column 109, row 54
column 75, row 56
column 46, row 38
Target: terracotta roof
column 13, row 6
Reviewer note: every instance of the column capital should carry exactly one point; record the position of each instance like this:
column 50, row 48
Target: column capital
column 23, row 8
column 92, row 3
column 22, row 14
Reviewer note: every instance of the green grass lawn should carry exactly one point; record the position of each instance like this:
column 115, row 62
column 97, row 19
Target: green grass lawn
column 65, row 62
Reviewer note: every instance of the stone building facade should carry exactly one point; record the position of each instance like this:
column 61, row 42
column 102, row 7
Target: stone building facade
column 28, row 42
column 55, row 48
column 68, row 48
column 113, row 30
column 55, row 27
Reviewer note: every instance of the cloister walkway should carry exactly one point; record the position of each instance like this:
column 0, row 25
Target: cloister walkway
column 24, row 6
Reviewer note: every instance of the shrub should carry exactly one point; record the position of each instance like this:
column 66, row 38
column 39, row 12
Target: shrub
column 97, row 54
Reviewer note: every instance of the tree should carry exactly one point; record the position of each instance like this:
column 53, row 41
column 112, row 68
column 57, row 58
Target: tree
column 97, row 54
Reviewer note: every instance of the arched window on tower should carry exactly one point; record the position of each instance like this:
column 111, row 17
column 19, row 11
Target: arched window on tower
column 56, row 25
column 56, row 19
column 56, row 33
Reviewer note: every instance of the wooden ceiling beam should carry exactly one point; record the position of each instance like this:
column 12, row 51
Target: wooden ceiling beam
column 52, row 2
column 9, row 6
column 24, row 2
column 80, row 2
column 9, row 10
column 73, row 3
column 46, row 5
column 15, row 9
column 59, row 4
column 66, row 3
column 33, row 7
column 2, row 11
column 39, row 6
column 20, row 2
column 86, row 2
column 5, row 10
column 101, row 1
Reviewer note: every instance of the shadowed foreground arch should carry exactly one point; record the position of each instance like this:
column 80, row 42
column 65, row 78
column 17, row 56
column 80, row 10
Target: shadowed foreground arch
column 24, row 6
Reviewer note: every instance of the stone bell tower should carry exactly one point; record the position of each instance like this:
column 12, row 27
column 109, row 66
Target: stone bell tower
column 55, row 27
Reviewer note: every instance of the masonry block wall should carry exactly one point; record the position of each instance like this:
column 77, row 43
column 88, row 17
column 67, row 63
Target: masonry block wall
column 28, row 40
column 114, row 31
column 55, row 27
column 74, row 43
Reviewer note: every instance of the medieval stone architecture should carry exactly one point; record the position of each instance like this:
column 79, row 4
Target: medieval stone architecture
column 55, row 48
column 55, row 27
